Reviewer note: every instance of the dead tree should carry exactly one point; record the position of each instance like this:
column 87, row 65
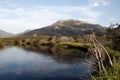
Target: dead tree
column 99, row 52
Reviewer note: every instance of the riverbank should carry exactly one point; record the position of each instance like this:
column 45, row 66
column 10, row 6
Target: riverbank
column 1, row 43
column 80, row 43
column 112, row 72
column 64, row 42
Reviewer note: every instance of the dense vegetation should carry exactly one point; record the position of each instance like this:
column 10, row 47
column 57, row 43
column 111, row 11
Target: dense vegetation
column 112, row 72
column 113, row 48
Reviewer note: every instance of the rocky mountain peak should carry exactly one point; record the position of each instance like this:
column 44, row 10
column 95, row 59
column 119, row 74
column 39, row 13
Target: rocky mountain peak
column 68, row 27
column 69, row 22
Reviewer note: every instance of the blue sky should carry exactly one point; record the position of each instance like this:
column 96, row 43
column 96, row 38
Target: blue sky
column 19, row 15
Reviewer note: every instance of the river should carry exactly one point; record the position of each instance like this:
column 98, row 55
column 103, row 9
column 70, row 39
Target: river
column 41, row 63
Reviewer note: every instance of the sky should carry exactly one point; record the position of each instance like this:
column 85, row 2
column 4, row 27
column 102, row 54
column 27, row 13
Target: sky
column 19, row 15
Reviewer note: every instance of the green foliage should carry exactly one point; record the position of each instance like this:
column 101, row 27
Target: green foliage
column 113, row 53
column 112, row 73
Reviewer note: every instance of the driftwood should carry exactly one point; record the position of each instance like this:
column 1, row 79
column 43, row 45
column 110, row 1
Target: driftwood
column 108, row 56
column 98, row 52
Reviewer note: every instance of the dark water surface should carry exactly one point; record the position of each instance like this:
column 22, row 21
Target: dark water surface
column 18, row 63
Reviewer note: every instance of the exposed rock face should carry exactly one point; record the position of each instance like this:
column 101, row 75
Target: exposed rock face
column 67, row 28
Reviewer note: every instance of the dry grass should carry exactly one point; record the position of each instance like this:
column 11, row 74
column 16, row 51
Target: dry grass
column 112, row 73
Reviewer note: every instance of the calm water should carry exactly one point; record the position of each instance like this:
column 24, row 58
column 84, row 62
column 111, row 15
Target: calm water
column 30, row 63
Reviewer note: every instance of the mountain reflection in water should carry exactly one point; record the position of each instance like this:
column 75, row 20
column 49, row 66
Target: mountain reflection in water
column 42, row 63
column 69, row 56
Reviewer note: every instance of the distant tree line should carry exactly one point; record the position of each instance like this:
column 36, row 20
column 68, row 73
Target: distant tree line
column 114, row 33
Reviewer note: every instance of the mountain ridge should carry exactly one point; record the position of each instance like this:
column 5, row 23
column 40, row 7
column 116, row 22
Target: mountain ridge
column 5, row 34
column 67, row 28
column 28, row 30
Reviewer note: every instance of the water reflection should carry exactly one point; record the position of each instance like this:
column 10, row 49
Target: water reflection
column 59, row 54
column 1, row 46
column 42, row 63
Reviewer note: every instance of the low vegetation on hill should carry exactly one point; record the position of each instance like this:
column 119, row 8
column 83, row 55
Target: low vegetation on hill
column 67, row 28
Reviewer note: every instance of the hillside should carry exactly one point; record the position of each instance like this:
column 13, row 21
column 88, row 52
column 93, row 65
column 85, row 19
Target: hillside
column 67, row 28
column 23, row 32
column 4, row 34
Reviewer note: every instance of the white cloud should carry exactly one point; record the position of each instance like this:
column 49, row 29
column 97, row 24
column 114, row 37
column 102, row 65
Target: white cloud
column 65, row 12
column 46, row 14
column 85, row 13
column 95, row 3
column 2, row 15
column 43, row 16
column 112, row 18
column 15, row 25
column 20, row 11
column 5, row 10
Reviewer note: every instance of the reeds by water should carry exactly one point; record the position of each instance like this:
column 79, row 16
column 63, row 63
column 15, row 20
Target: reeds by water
column 112, row 73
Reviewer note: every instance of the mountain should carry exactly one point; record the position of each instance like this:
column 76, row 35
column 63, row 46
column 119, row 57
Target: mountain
column 4, row 34
column 67, row 28
column 23, row 32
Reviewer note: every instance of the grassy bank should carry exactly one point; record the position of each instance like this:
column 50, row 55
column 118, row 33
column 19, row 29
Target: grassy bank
column 1, row 43
column 69, row 45
column 113, row 53
column 74, row 44
column 112, row 73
